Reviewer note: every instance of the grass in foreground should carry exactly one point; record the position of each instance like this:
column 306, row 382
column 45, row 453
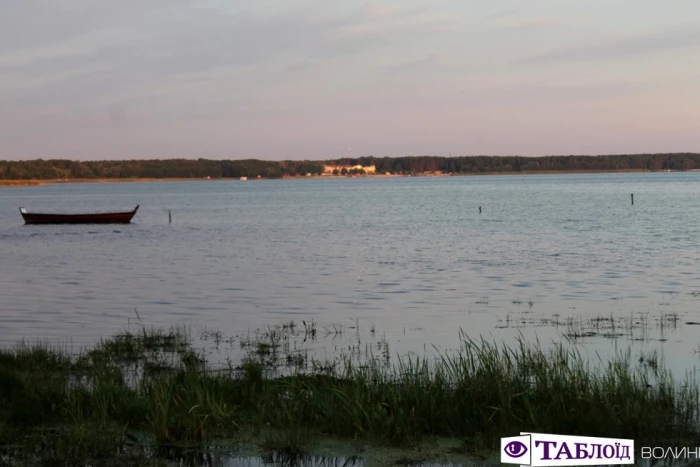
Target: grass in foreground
column 150, row 395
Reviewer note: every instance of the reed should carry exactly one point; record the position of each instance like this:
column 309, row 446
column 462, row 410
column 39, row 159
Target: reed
column 140, row 394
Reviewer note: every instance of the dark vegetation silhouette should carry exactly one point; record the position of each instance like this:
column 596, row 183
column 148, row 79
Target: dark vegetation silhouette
column 252, row 168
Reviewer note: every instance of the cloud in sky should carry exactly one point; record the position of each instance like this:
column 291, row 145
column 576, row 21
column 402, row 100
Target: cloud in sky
column 684, row 37
column 276, row 79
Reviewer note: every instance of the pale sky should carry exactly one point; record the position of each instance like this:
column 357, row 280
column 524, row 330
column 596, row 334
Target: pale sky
column 307, row 79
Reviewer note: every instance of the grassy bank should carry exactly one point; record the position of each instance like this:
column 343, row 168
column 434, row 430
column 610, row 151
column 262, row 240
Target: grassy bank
column 150, row 394
column 93, row 180
column 20, row 182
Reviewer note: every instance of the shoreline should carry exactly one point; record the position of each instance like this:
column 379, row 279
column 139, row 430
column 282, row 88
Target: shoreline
column 41, row 182
column 38, row 182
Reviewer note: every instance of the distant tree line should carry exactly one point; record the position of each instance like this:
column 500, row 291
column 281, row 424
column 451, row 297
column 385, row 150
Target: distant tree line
column 292, row 168
column 481, row 164
column 253, row 168
column 154, row 168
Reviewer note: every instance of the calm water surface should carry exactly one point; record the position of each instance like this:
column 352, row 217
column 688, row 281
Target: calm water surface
column 411, row 257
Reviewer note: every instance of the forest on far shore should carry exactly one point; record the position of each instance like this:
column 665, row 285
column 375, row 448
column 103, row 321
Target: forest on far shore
column 40, row 169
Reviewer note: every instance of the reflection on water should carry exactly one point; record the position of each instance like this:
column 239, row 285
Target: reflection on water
column 410, row 258
column 272, row 460
column 312, row 461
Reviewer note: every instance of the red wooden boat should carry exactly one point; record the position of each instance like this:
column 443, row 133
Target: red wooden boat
column 94, row 218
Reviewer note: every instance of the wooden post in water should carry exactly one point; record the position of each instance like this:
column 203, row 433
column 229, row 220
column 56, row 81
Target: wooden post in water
column 632, row 197
column 479, row 209
column 170, row 217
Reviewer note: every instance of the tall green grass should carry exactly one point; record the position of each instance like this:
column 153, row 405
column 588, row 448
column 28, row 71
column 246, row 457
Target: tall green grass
column 139, row 394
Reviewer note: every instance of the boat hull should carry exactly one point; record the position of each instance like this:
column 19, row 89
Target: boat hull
column 96, row 218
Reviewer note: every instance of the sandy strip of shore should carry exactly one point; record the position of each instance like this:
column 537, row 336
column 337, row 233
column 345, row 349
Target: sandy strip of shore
column 325, row 177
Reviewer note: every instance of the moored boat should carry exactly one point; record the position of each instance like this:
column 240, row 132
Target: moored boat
column 92, row 218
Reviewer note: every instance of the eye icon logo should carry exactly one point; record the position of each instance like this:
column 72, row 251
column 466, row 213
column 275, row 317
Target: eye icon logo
column 515, row 449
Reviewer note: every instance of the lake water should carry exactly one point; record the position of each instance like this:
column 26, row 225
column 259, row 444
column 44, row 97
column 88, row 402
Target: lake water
column 410, row 258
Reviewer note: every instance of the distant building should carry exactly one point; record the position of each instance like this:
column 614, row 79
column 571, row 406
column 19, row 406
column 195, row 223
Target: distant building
column 329, row 169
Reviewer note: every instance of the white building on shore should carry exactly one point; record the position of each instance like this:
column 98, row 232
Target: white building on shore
column 329, row 169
